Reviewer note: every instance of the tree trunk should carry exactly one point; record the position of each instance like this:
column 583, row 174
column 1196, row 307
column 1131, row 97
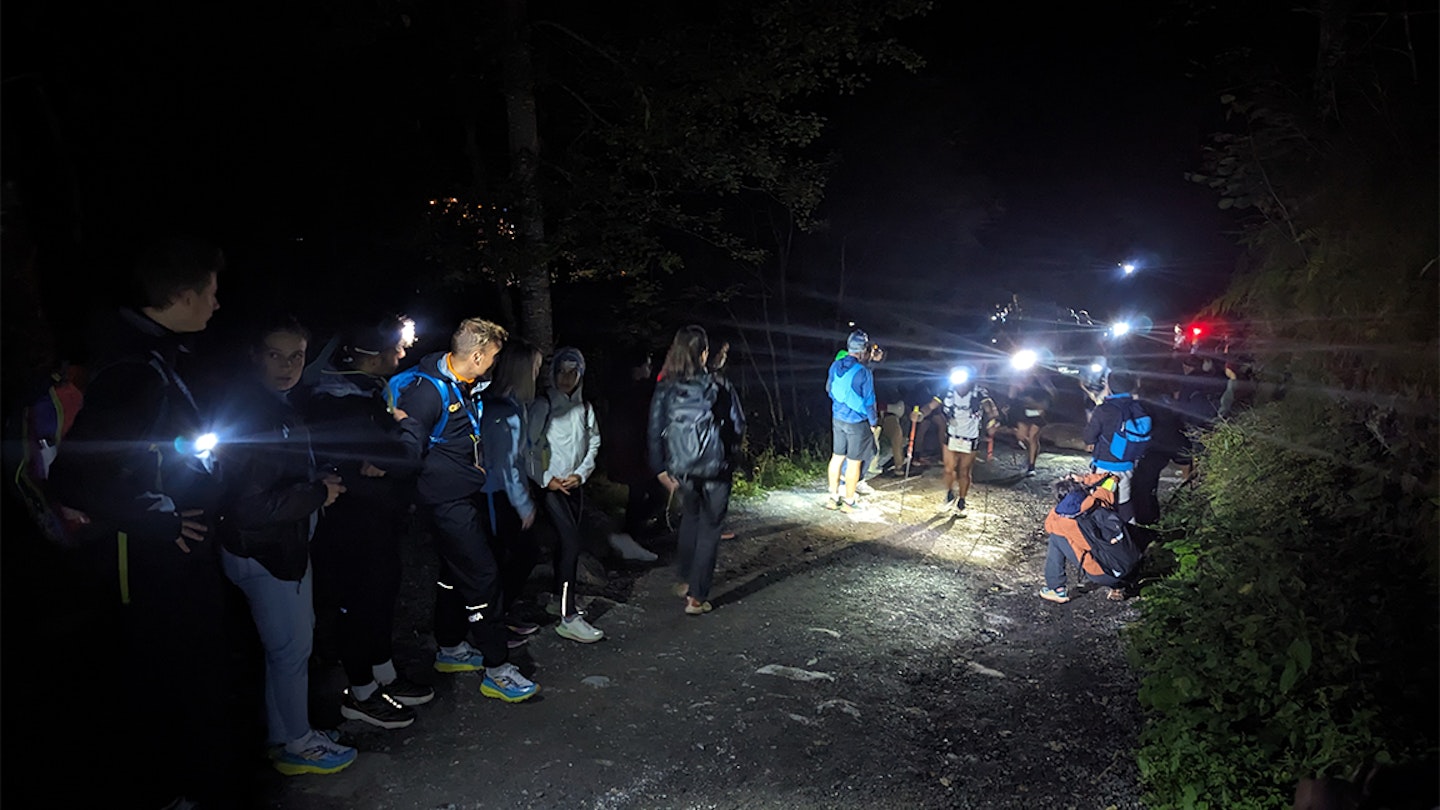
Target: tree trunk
column 537, row 322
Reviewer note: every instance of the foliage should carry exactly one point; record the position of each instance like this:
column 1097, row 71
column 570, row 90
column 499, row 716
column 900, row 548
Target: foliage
column 774, row 469
column 1297, row 633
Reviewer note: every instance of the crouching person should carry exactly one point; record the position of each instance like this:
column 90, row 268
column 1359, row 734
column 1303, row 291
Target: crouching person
column 1086, row 532
column 273, row 498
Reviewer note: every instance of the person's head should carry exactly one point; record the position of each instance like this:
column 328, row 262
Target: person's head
column 377, row 348
column 515, row 370
column 278, row 352
column 1189, row 364
column 178, row 280
column 474, row 346
column 567, row 369
column 688, row 354
column 719, row 357
column 1121, row 382
column 857, row 343
column 639, row 364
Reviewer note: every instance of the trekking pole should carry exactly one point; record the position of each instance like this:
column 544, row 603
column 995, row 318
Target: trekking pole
column 909, row 452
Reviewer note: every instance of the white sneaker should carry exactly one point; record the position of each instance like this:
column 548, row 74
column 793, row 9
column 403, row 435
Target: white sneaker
column 627, row 548
column 863, row 488
column 576, row 628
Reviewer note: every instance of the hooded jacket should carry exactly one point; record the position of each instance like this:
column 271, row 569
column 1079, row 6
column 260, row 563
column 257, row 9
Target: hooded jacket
column 272, row 490
column 1109, row 415
column 453, row 468
column 123, row 463
column 350, row 425
column 564, row 436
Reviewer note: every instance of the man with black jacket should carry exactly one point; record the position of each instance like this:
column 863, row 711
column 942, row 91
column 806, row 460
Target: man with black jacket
column 444, row 403
column 1114, row 409
column 139, row 465
column 356, row 551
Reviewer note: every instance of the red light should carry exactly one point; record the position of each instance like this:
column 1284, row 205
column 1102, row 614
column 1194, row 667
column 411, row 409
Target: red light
column 1196, row 331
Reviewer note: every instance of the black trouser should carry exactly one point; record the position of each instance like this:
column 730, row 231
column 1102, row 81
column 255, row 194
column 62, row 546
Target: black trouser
column 703, row 508
column 1145, row 486
column 467, row 591
column 174, row 676
column 355, row 557
column 646, row 500
column 565, row 513
column 513, row 547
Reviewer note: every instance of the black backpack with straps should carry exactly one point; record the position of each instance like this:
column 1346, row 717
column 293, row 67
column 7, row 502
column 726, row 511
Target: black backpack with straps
column 694, row 442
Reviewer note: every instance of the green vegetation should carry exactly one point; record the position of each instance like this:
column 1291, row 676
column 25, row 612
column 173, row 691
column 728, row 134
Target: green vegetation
column 776, row 469
column 1296, row 633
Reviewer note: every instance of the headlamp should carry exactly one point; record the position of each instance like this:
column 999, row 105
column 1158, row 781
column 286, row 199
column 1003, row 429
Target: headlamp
column 407, row 333
column 1024, row 360
column 959, row 375
column 200, row 447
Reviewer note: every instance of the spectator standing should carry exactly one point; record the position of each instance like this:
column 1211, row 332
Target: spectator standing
column 273, row 496
column 624, row 448
column 442, row 397
column 1116, row 408
column 694, row 443
column 132, row 466
column 854, row 416
column 356, row 550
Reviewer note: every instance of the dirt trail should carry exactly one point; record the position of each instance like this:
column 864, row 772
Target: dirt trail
column 885, row 659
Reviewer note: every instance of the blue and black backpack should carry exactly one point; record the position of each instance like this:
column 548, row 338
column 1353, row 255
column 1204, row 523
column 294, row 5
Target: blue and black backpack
column 1132, row 437
column 412, row 376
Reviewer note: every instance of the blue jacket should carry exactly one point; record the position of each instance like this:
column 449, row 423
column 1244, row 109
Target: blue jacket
column 501, row 432
column 448, row 470
column 851, row 387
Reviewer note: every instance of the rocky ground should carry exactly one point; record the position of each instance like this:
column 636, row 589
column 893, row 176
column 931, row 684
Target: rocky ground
column 891, row 658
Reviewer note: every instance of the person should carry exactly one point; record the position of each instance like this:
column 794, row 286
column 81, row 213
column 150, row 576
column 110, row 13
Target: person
column 1239, row 395
column 1031, row 398
column 694, row 436
column 1076, row 495
column 274, row 494
column 512, row 509
column 854, row 415
column 1115, row 408
column 716, row 365
column 1168, row 443
column 356, row 550
column 964, row 403
column 624, row 448
column 131, row 466
column 565, row 442
column 890, row 402
column 440, row 395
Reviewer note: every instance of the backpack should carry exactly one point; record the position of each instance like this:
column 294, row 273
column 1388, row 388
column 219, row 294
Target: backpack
column 1132, row 438
column 43, row 425
column 842, row 388
column 410, row 377
column 1113, row 543
column 694, row 446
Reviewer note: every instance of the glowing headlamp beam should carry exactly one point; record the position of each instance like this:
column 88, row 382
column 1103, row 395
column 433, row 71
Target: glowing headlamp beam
column 959, row 376
column 1023, row 360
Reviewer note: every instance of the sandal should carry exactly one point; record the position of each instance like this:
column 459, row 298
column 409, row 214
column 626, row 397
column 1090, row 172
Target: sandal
column 1116, row 595
column 695, row 608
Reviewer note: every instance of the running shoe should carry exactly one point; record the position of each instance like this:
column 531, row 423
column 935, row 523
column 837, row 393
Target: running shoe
column 576, row 628
column 863, row 488
column 407, row 692
column 1055, row 595
column 506, row 683
column 318, row 754
column 378, row 710
column 467, row 660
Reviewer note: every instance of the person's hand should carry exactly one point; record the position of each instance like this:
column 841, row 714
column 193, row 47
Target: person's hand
column 527, row 521
column 555, row 485
column 191, row 529
column 668, row 482
column 333, row 488
column 571, row 482
column 370, row 470
column 399, row 415
column 915, row 416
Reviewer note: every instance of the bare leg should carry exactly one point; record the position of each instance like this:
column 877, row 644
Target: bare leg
column 852, row 479
column 951, row 459
column 835, row 463
column 962, row 475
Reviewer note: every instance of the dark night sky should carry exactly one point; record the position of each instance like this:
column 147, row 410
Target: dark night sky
column 1036, row 150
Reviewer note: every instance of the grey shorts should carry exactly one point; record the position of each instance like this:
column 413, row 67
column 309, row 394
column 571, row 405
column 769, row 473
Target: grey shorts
column 853, row 440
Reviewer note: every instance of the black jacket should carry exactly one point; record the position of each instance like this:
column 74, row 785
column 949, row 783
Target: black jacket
column 448, row 468
column 729, row 420
column 350, row 424
column 272, row 492
column 125, row 462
